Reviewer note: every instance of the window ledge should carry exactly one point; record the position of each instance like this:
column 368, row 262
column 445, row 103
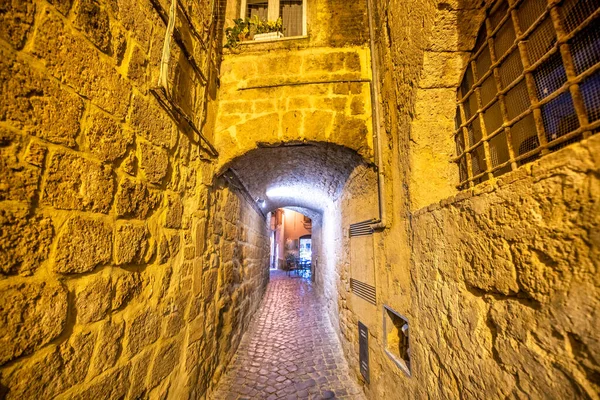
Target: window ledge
column 283, row 39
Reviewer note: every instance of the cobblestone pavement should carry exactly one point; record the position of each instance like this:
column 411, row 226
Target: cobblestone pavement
column 290, row 350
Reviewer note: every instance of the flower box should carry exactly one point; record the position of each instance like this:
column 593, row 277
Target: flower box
column 268, row 36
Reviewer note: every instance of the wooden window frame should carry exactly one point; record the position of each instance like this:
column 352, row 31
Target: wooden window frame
column 273, row 14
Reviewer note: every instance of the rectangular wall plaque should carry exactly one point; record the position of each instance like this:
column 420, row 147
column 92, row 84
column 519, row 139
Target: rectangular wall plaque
column 363, row 353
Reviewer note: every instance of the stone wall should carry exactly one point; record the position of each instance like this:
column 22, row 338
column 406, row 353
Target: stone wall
column 499, row 284
column 313, row 95
column 314, row 88
column 126, row 271
column 506, row 284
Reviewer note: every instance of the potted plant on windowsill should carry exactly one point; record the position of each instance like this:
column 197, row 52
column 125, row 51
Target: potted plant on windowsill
column 245, row 29
column 267, row 30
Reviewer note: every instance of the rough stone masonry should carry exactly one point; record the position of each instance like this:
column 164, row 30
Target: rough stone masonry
column 129, row 269
column 126, row 269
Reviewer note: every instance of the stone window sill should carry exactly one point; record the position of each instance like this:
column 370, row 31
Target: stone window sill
column 283, row 39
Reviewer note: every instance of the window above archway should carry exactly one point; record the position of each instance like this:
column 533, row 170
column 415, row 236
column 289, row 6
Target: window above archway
column 291, row 12
column 532, row 85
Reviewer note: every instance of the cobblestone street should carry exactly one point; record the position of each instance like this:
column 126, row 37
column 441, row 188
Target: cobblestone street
column 290, row 350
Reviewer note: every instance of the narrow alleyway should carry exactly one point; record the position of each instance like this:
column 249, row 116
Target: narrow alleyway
column 290, row 350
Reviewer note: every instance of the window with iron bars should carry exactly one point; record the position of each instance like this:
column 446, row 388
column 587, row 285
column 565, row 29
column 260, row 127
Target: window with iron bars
column 532, row 85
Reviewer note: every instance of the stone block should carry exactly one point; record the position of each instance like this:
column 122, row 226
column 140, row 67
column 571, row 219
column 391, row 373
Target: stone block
column 133, row 199
column 357, row 106
column 125, row 287
column 76, row 183
column 174, row 212
column 154, row 162
column 296, row 103
column 119, row 43
column 323, row 62
column 76, row 354
column 55, row 371
column 129, row 164
column 131, row 243
column 143, row 330
column 291, row 125
column 38, row 105
column 350, row 132
column 135, row 17
column 105, row 138
column 93, row 299
column 140, row 366
column 113, row 385
column 93, row 21
column 163, row 251
column 72, row 60
column 151, row 121
column 264, row 128
column 209, row 286
column 137, row 70
column 167, row 357
column 31, row 315
column 109, row 343
column 236, row 107
column 25, row 241
column 18, row 181
column 63, row 6
column 260, row 107
column 16, row 19
column 35, row 154
column 446, row 37
column 36, row 379
column 83, row 244
column 318, row 123
column 442, row 69
column 352, row 62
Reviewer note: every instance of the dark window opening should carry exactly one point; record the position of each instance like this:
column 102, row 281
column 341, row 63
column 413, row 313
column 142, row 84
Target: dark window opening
column 495, row 117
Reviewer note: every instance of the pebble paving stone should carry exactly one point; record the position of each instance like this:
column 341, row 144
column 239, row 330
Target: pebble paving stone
column 290, row 350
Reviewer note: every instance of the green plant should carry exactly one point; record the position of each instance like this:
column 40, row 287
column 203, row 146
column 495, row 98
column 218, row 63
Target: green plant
column 237, row 33
column 245, row 28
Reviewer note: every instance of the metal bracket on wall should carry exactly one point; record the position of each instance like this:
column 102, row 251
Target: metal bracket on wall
column 161, row 91
column 177, row 114
column 179, row 38
column 231, row 177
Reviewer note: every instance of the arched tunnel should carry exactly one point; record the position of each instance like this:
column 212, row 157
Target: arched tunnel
column 311, row 176
column 299, row 199
column 291, row 342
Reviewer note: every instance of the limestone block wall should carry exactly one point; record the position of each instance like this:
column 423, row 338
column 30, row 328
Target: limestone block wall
column 125, row 271
column 499, row 284
column 506, row 283
column 315, row 94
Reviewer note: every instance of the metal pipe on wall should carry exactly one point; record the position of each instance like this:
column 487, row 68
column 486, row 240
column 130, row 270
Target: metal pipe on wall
column 381, row 222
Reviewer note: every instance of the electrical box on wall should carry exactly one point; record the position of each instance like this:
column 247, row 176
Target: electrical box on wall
column 396, row 335
column 363, row 350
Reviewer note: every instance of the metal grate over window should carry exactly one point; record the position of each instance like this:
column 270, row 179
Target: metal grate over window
column 532, row 85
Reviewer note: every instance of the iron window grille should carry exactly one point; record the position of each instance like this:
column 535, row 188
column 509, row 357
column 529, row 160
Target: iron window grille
column 531, row 86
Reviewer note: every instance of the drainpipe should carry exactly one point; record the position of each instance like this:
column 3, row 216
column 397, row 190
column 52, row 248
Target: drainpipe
column 380, row 223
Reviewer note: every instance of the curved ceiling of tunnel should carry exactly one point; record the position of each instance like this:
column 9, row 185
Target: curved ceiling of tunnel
column 307, row 176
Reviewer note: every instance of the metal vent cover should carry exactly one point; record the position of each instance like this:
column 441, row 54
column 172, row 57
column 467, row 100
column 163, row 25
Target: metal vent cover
column 364, row 291
column 361, row 228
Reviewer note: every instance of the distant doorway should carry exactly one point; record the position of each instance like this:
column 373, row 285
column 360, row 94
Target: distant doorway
column 306, row 248
column 291, row 246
